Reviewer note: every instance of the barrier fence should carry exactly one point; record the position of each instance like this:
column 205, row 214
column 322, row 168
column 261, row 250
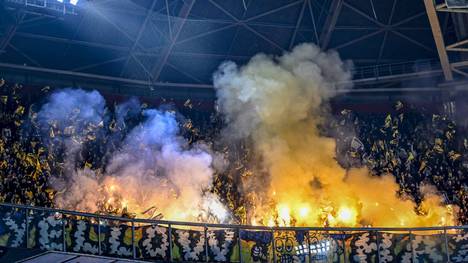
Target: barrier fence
column 158, row 240
column 384, row 70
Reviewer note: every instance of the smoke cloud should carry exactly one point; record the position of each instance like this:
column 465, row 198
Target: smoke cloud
column 277, row 103
column 68, row 118
column 153, row 169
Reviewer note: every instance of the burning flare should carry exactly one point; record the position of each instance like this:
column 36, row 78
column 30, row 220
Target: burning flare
column 277, row 103
column 153, row 173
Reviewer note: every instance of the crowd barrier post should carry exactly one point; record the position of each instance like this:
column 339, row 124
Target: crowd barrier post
column 413, row 253
column 64, row 244
column 446, row 244
column 26, row 227
column 273, row 245
column 206, row 243
column 99, row 234
column 239, row 244
column 133, row 239
column 344, row 248
column 308, row 246
column 377, row 240
column 169, row 236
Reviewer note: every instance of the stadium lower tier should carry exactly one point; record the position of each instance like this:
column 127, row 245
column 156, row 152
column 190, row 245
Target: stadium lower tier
column 154, row 240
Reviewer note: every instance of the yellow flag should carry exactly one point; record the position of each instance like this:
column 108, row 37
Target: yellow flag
column 423, row 165
column 454, row 156
column 438, row 149
column 438, row 146
column 388, row 121
column 19, row 110
column 449, row 135
column 38, row 166
column 88, row 165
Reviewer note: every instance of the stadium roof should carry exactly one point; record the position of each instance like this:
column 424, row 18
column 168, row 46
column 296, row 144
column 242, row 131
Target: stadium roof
column 184, row 41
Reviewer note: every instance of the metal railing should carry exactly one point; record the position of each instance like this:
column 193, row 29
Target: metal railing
column 99, row 220
column 394, row 69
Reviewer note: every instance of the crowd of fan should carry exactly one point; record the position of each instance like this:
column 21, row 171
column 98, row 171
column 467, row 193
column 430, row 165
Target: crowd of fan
column 31, row 152
column 417, row 147
column 24, row 164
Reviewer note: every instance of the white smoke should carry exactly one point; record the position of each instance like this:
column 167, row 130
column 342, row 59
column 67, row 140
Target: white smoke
column 66, row 106
column 153, row 167
column 277, row 91
column 277, row 103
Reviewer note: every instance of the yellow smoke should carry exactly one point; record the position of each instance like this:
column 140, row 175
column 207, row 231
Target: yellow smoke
column 277, row 102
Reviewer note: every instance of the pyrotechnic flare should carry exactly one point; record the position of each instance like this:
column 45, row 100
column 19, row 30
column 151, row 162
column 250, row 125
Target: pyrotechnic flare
column 277, row 103
column 153, row 165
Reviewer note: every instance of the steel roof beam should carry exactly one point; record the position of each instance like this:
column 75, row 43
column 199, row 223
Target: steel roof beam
column 124, row 81
column 271, row 11
column 124, row 49
column 89, row 66
column 183, row 14
column 137, row 39
column 11, row 32
column 439, row 39
column 248, row 27
column 19, row 51
column 330, row 23
column 72, row 41
column 298, row 24
column 384, row 40
column 84, row 77
column 108, row 20
column 102, row 77
column 86, row 44
column 353, row 41
column 417, row 43
column 311, row 12
column 363, row 14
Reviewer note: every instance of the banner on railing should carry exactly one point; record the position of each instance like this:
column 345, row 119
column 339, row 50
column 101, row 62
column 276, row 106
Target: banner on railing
column 51, row 231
